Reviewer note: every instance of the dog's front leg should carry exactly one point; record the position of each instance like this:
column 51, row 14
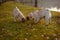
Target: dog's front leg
column 36, row 20
column 15, row 19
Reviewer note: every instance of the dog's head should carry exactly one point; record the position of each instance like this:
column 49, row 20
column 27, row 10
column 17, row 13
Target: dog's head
column 30, row 16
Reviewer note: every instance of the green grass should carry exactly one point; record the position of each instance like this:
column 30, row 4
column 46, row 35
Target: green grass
column 20, row 31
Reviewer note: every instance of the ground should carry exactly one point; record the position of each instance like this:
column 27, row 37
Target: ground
column 9, row 30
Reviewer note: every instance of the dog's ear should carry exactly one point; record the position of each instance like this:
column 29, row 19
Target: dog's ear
column 23, row 20
column 27, row 18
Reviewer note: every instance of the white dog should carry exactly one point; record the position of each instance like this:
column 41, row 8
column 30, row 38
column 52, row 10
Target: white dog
column 18, row 14
column 37, row 15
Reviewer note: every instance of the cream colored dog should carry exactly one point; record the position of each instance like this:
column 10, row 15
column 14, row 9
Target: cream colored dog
column 37, row 15
column 18, row 14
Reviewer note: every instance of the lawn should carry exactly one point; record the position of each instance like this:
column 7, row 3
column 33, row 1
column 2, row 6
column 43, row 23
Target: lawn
column 9, row 30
